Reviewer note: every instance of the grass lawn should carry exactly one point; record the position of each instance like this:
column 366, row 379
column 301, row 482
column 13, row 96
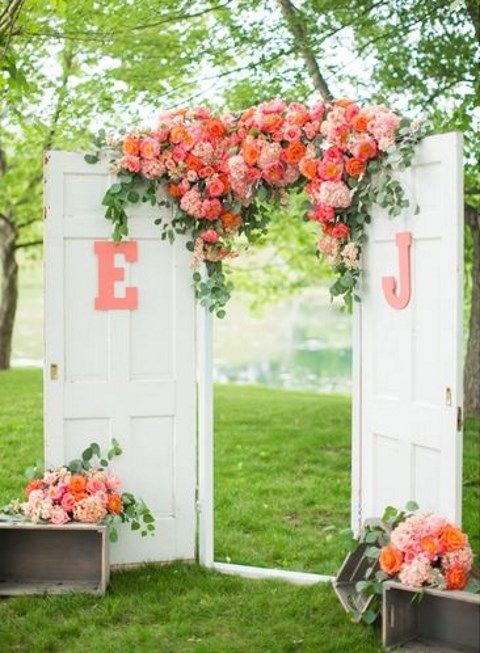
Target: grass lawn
column 280, row 501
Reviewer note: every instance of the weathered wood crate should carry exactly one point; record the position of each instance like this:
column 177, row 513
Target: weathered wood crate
column 354, row 568
column 43, row 558
column 441, row 621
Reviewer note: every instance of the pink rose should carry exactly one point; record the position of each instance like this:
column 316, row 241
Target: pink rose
column 131, row 163
column 273, row 173
column 113, row 482
column 215, row 187
column 340, row 231
column 333, row 153
column 149, row 148
column 211, row 209
column 58, row 516
column 161, row 134
column 210, row 236
column 179, row 153
column 322, row 213
column 68, row 502
column 94, row 486
column 291, row 133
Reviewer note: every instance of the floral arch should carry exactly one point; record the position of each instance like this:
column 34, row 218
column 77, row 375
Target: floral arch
column 214, row 167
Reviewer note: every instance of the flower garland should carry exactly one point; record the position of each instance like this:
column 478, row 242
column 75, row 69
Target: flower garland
column 214, row 169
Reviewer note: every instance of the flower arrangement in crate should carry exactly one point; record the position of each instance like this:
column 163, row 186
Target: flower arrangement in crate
column 418, row 550
column 83, row 491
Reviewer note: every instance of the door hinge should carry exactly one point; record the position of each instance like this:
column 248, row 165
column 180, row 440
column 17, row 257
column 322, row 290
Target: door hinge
column 198, row 503
column 54, row 372
column 459, row 418
column 448, row 396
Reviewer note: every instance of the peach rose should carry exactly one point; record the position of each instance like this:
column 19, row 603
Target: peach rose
column 390, row 560
column 250, row 151
column 77, row 484
column 308, row 168
column 294, row 153
column 359, row 123
column 355, row 166
column 114, row 503
column 452, row 538
column 131, row 145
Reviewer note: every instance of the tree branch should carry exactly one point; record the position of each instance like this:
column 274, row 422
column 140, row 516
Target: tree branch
column 62, row 91
column 31, row 243
column 297, row 29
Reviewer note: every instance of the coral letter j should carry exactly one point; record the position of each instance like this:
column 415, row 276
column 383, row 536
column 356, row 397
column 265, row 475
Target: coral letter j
column 109, row 274
column 398, row 297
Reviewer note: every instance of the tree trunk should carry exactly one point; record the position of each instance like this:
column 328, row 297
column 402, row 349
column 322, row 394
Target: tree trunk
column 472, row 358
column 300, row 35
column 9, row 290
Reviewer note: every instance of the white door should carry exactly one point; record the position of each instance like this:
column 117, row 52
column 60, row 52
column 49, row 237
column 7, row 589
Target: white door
column 128, row 374
column 407, row 440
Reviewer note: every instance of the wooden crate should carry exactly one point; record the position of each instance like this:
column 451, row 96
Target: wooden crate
column 441, row 621
column 43, row 558
column 353, row 569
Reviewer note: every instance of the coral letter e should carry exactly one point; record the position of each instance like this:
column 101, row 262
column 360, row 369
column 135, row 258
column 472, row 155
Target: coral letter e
column 398, row 294
column 109, row 274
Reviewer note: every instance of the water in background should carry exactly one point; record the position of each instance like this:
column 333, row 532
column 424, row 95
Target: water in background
column 301, row 343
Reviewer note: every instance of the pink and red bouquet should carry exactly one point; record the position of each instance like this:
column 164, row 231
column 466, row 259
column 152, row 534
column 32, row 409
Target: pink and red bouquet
column 428, row 550
column 214, row 168
column 83, row 491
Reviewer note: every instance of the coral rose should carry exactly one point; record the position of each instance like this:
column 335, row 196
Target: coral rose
column 214, row 128
column 359, row 123
column 273, row 173
column 308, row 168
column 322, row 213
column 452, row 538
column 77, row 484
column 230, row 221
column 355, row 166
column 37, row 484
column 149, row 148
column 366, row 149
column 210, row 236
column 211, row 209
column 131, row 145
column 294, row 152
column 456, row 577
column 250, row 151
column 193, row 162
column 215, row 188
column 114, row 503
column 340, row 231
column 390, row 560
column 329, row 170
column 271, row 122
column 173, row 190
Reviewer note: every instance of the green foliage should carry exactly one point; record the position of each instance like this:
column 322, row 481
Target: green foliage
column 377, row 535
